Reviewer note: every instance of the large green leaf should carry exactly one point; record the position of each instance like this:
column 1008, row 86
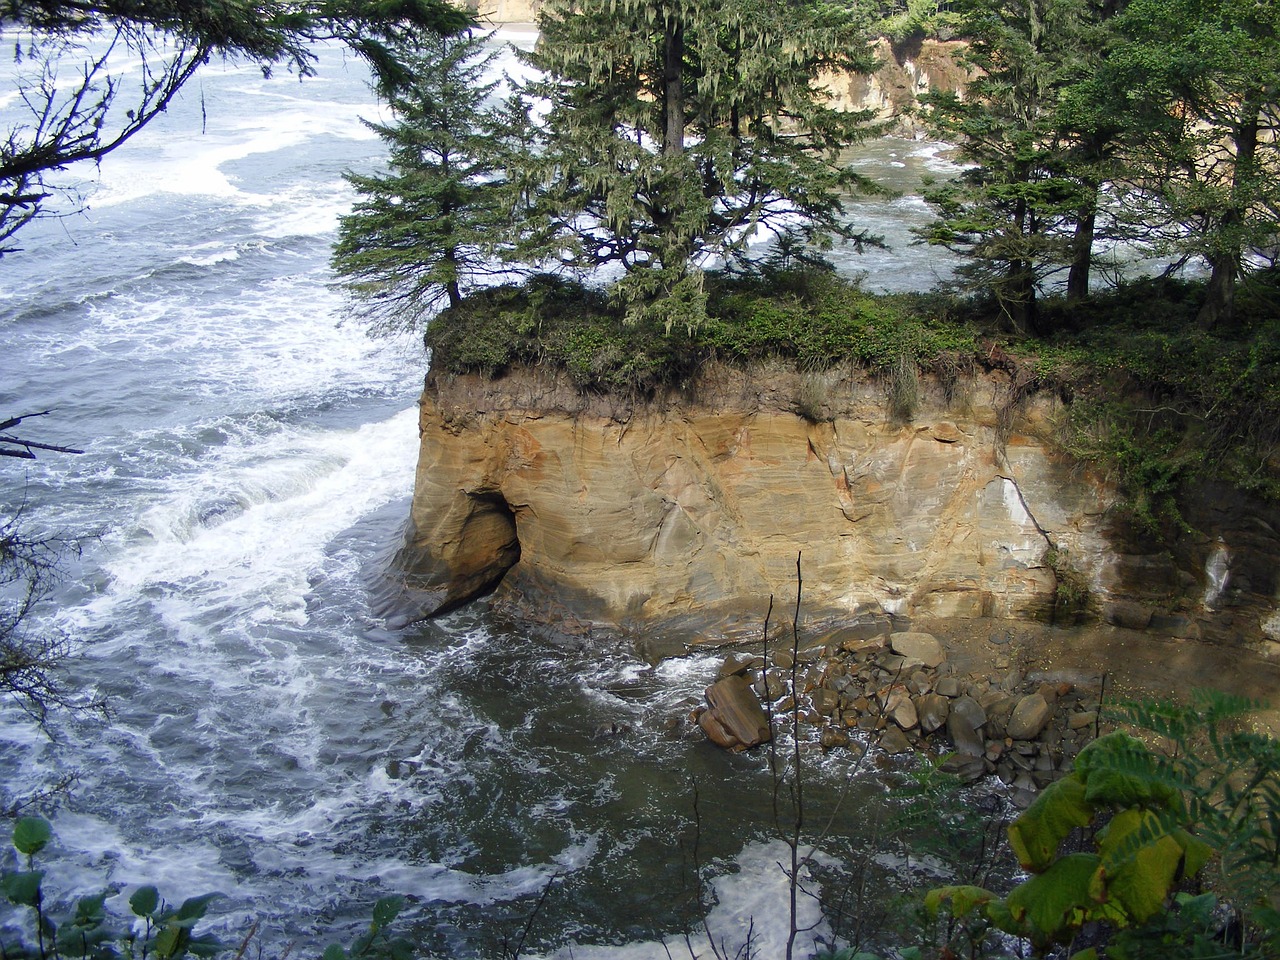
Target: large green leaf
column 1041, row 828
column 169, row 942
column 30, row 834
column 1143, row 857
column 1140, row 863
column 1195, row 850
column 386, row 909
column 145, row 901
column 964, row 899
column 1058, row 900
column 193, row 908
column 1118, row 770
column 22, row 887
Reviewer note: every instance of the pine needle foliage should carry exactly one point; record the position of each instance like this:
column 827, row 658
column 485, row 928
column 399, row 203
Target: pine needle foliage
column 428, row 229
column 675, row 130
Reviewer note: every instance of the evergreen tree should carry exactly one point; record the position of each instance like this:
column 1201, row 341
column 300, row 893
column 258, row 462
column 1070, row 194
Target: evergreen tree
column 1198, row 82
column 675, row 129
column 424, row 231
column 87, row 75
column 1026, row 209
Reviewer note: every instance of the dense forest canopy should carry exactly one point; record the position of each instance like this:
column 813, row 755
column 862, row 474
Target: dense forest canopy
column 661, row 138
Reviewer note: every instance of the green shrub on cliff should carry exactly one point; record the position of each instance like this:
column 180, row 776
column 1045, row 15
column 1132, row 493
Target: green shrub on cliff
column 814, row 318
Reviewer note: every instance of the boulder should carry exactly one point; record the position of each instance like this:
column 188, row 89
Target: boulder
column 1029, row 717
column 735, row 719
column 933, row 710
column 918, row 646
column 967, row 739
column 832, row 738
column 902, row 711
column 894, row 741
column 968, row 709
column 948, row 686
column 824, row 700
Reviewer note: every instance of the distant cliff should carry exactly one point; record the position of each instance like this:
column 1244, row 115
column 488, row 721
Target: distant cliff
column 681, row 516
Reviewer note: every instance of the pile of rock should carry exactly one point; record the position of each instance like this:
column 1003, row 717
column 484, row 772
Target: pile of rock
column 906, row 695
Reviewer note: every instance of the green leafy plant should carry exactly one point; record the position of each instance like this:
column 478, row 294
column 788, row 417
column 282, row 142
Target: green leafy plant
column 88, row 931
column 376, row 943
column 1141, row 848
column 1228, row 779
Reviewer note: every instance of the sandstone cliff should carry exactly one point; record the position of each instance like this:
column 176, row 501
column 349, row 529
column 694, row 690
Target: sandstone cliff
column 683, row 515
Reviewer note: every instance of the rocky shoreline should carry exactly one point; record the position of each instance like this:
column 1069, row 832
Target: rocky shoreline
column 901, row 693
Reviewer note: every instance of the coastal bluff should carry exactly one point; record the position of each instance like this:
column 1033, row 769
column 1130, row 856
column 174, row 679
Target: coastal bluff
column 679, row 517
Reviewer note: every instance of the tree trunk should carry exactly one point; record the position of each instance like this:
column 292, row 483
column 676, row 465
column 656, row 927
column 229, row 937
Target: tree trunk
column 673, row 87
column 1219, row 304
column 1019, row 299
column 1082, row 246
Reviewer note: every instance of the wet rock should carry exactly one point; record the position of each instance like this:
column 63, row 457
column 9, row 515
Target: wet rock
column 893, row 741
column 401, row 769
column 1029, row 717
column 948, row 687
column 735, row 719
column 737, row 664
column 1022, row 797
column 933, row 710
column 967, row 768
column 969, row 710
column 824, row 700
column 832, row 738
column 918, row 646
column 607, row 731
column 771, row 687
column 965, row 735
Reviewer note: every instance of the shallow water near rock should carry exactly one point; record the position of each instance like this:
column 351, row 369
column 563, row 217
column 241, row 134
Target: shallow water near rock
column 248, row 461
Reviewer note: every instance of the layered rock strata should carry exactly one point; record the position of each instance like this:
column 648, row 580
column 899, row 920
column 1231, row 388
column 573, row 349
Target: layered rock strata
column 686, row 515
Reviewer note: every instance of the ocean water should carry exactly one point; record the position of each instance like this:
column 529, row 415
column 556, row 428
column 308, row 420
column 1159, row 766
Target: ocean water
column 248, row 462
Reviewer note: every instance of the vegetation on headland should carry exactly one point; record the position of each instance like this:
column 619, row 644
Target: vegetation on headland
column 1158, row 403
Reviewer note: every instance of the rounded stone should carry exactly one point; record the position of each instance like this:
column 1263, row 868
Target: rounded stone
column 918, row 646
column 1029, row 717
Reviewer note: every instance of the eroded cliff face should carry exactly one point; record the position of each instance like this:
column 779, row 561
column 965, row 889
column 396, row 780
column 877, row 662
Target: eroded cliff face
column 684, row 515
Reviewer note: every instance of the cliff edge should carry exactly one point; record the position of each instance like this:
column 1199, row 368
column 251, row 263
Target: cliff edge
column 681, row 516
